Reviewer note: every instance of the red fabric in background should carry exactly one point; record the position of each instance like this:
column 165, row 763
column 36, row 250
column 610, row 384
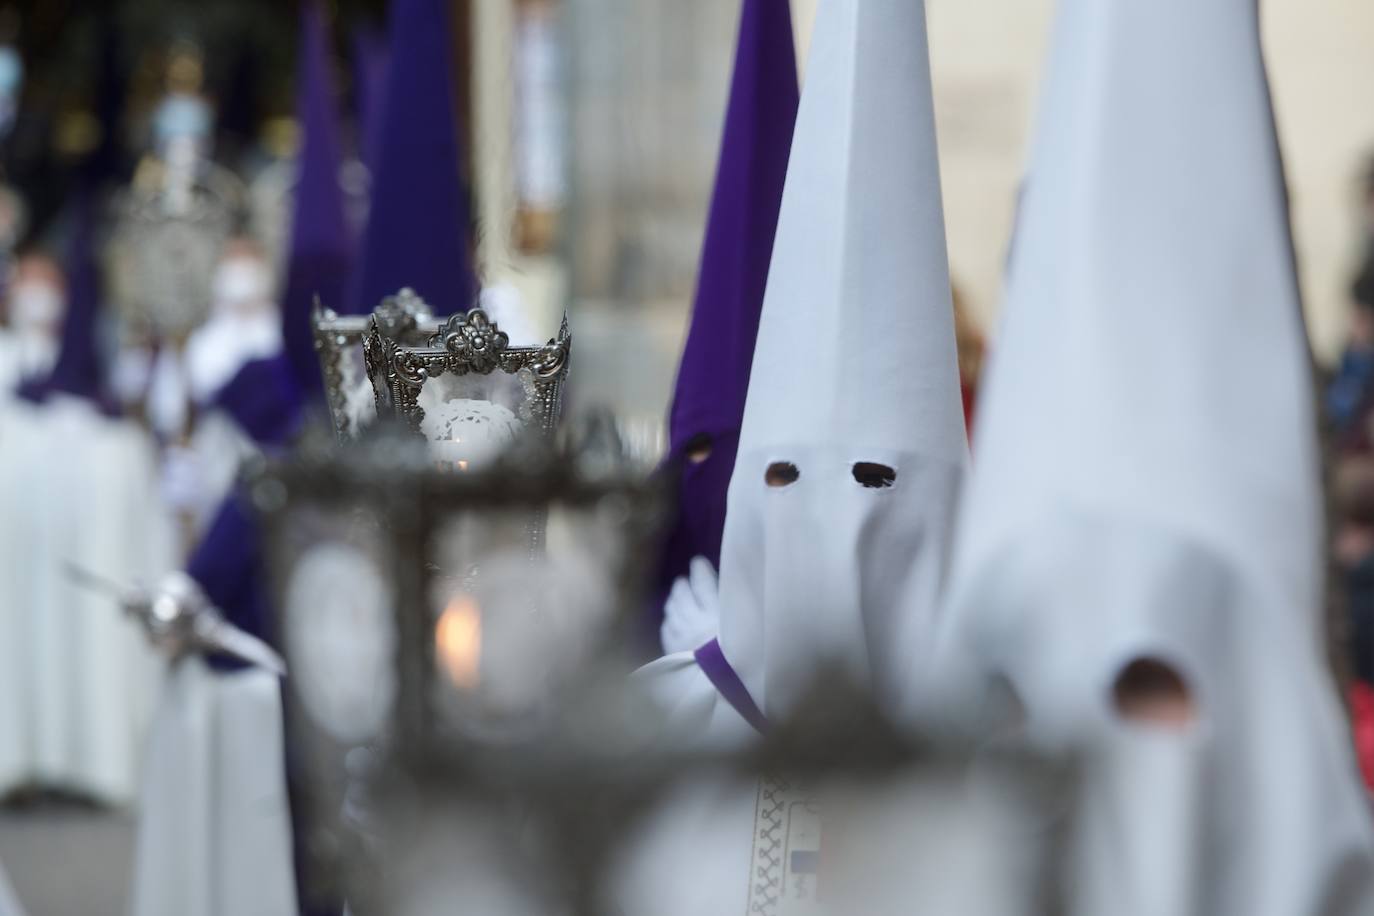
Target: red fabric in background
column 969, row 395
column 1362, row 714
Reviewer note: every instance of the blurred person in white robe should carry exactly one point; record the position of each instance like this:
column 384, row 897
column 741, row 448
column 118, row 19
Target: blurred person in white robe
column 35, row 305
column 1138, row 572
column 851, row 451
column 79, row 487
column 215, row 834
column 244, row 327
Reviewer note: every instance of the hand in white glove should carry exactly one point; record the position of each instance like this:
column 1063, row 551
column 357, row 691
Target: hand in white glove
column 183, row 479
column 691, row 616
column 131, row 374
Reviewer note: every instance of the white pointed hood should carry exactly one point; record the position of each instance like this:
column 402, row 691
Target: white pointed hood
column 1146, row 486
column 1152, row 360
column 854, row 375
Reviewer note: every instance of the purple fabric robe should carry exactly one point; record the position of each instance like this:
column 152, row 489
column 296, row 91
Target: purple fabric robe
column 78, row 370
column 713, row 377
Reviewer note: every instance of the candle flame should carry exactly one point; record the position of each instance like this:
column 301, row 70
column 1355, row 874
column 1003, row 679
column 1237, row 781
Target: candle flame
column 458, row 637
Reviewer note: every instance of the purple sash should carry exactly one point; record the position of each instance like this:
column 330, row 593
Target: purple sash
column 722, row 676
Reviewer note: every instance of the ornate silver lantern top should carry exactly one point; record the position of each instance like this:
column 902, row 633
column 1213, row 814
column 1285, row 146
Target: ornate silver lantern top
column 467, row 390
column 339, row 345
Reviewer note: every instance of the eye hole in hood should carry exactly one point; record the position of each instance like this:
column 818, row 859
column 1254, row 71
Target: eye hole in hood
column 698, row 448
column 874, row 476
column 1152, row 693
column 781, row 474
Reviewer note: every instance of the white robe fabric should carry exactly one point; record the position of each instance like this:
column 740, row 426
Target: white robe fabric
column 77, row 679
column 24, row 354
column 855, row 365
column 214, row 833
column 9, row 901
column 1147, row 483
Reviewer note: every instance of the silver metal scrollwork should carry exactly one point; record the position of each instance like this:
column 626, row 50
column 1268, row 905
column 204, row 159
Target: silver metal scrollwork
column 339, row 343
column 465, row 344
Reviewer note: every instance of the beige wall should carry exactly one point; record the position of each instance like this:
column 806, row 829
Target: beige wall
column 1321, row 58
column 987, row 55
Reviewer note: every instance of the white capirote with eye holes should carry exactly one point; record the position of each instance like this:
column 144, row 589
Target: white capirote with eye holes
column 853, row 445
column 1139, row 546
column 855, row 382
column 841, row 505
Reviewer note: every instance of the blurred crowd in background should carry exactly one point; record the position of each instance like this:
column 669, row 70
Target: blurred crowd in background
column 1350, row 410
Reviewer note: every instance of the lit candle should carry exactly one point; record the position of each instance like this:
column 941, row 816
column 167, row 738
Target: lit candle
column 450, row 454
column 458, row 638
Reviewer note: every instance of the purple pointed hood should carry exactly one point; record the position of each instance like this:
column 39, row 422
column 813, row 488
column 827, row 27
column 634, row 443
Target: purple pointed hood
column 78, row 369
column 708, row 404
column 370, row 58
column 418, row 225
column 321, row 246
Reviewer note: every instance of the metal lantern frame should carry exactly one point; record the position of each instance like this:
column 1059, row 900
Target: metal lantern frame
column 466, row 344
column 390, row 478
column 404, row 316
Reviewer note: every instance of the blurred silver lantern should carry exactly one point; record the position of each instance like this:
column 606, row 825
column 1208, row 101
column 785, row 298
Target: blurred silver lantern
column 339, row 344
column 171, row 227
column 423, row 610
column 467, row 390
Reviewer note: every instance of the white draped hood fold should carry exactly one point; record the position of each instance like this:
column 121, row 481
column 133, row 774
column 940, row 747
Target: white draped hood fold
column 1146, row 485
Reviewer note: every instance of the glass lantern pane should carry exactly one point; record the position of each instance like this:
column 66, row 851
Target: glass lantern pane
column 470, row 419
column 359, row 404
column 521, row 601
column 338, row 622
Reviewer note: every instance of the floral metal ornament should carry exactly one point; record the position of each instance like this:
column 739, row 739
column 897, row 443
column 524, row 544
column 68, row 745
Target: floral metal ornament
column 469, row 344
column 474, row 341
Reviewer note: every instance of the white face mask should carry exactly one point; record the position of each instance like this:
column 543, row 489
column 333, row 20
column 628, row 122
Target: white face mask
column 241, row 286
column 181, row 115
column 36, row 307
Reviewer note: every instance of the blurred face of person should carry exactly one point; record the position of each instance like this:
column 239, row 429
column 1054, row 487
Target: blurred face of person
column 241, row 282
column 1362, row 326
column 37, row 297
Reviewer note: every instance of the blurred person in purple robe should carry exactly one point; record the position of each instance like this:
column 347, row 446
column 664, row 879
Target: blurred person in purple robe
column 713, row 377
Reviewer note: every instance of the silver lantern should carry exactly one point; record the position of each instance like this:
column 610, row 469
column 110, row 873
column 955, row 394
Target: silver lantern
column 424, row 611
column 339, row 345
